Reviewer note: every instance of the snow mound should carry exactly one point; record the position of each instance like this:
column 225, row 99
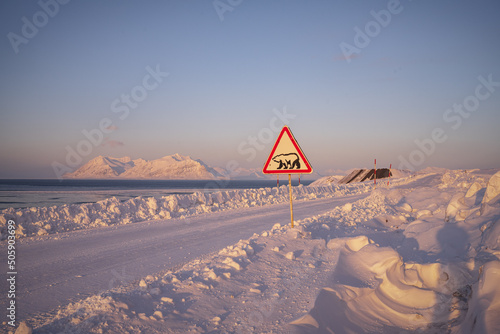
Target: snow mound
column 327, row 180
column 485, row 303
column 400, row 173
column 383, row 293
column 433, row 170
column 492, row 189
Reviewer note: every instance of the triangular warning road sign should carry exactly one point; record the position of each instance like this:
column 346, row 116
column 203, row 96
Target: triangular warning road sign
column 286, row 156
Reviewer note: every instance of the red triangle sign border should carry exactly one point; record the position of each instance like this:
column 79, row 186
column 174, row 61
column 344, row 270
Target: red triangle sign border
column 308, row 168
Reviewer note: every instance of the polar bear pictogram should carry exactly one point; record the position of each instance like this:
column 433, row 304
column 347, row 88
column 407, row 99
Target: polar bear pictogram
column 287, row 161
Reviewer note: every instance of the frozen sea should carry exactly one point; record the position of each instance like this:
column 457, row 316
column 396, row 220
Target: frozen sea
column 15, row 193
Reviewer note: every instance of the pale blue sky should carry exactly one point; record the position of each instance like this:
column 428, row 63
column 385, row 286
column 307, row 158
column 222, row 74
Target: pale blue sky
column 227, row 76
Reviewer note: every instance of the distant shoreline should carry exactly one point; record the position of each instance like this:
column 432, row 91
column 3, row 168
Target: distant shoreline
column 23, row 193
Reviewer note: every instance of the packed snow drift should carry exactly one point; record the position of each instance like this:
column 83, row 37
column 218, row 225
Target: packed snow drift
column 419, row 256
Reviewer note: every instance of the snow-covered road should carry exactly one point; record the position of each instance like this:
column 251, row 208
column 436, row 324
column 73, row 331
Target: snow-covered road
column 57, row 269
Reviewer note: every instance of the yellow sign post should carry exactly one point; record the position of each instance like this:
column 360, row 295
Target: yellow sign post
column 287, row 158
column 291, row 203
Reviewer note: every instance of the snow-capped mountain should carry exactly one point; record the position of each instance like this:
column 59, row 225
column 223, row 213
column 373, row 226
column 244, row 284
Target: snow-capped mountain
column 102, row 168
column 173, row 166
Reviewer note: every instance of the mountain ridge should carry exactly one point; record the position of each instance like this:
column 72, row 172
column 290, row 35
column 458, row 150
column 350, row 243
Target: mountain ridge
column 170, row 167
column 175, row 167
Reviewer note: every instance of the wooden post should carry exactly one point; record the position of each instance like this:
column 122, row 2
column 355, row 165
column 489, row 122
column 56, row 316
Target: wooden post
column 278, row 181
column 390, row 167
column 375, row 178
column 291, row 203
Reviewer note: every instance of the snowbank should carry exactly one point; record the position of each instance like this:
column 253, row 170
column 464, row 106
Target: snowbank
column 47, row 220
column 327, row 180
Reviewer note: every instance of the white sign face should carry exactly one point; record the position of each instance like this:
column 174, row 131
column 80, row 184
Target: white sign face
column 286, row 156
